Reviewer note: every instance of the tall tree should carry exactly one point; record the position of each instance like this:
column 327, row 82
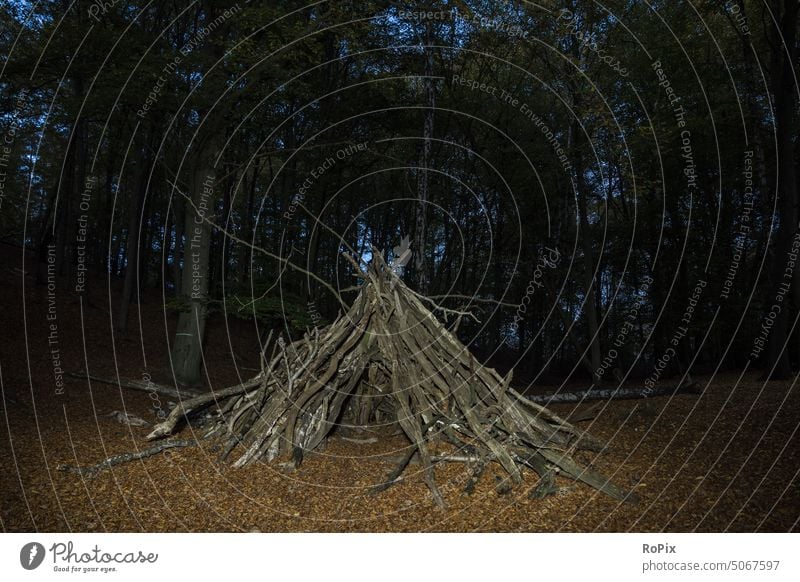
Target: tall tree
column 784, row 90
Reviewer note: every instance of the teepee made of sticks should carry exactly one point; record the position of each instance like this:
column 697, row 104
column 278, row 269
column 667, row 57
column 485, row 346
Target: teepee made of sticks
column 389, row 357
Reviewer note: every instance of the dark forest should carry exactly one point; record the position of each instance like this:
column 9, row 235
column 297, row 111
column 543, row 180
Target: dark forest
column 457, row 253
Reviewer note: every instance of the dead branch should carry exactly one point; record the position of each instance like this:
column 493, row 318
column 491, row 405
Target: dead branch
column 126, row 458
column 185, row 407
column 618, row 393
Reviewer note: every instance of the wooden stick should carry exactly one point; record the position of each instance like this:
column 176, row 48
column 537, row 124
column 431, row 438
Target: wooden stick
column 126, row 458
column 391, row 479
column 187, row 406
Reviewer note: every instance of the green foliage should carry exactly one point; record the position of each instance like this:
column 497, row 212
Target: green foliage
column 271, row 309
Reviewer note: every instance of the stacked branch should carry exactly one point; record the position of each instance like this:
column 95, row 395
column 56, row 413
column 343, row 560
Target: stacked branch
column 389, row 356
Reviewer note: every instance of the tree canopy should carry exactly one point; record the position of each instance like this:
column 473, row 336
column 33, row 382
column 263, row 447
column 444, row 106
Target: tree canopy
column 610, row 189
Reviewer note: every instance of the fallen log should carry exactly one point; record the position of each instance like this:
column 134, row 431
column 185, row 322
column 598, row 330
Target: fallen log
column 612, row 394
column 140, row 385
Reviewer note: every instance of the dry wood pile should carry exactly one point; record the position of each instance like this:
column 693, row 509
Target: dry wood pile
column 389, row 359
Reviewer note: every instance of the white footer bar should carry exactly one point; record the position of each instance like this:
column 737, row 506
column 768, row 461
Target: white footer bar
column 390, row 557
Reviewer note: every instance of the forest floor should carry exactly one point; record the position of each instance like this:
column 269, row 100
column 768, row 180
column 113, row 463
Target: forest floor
column 726, row 460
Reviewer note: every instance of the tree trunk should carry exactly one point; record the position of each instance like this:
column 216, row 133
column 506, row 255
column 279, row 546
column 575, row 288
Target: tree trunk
column 778, row 366
column 132, row 246
column 63, row 203
column 178, row 211
column 106, row 217
column 425, row 157
column 187, row 349
column 589, row 304
column 249, row 221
